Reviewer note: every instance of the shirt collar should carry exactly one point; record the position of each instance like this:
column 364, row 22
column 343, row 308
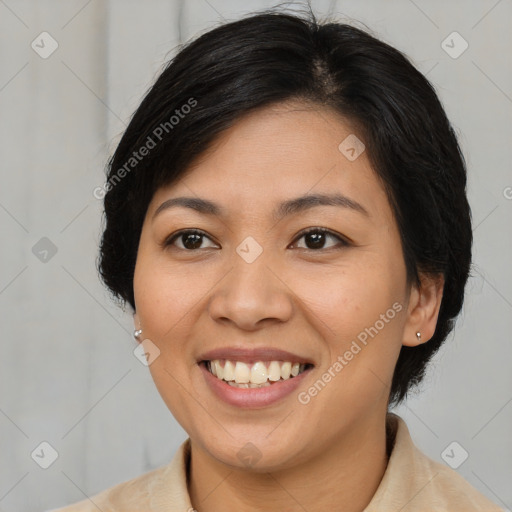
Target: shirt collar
column 411, row 480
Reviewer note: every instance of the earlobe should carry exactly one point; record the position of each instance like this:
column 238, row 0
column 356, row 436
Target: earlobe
column 137, row 331
column 423, row 312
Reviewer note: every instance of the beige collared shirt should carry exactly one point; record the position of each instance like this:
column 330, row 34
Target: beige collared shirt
column 412, row 482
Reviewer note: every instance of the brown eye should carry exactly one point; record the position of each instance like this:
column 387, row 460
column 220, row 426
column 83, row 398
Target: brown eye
column 315, row 238
column 190, row 239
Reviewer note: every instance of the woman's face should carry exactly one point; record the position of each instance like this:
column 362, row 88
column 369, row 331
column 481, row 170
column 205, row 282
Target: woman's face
column 251, row 283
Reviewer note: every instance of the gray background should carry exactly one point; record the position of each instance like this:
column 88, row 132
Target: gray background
column 68, row 375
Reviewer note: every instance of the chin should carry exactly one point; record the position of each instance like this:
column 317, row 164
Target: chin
column 256, row 453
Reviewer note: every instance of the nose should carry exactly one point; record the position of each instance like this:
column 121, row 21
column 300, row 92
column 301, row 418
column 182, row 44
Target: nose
column 251, row 295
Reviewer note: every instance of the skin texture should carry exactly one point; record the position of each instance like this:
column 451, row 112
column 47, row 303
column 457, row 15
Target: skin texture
column 310, row 301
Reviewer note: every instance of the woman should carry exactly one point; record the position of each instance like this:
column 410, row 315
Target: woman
column 286, row 215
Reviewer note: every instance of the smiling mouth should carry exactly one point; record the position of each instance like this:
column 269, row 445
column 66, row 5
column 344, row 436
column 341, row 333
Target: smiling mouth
column 260, row 374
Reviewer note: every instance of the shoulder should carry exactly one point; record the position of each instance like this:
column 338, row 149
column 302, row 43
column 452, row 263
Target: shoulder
column 154, row 491
column 448, row 490
column 131, row 495
column 414, row 482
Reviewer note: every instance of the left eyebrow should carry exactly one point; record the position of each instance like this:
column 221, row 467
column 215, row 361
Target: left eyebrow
column 286, row 208
column 305, row 202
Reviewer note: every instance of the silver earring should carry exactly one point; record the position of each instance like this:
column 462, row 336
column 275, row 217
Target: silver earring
column 137, row 333
column 418, row 335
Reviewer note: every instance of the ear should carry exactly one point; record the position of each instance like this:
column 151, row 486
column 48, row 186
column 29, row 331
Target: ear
column 423, row 310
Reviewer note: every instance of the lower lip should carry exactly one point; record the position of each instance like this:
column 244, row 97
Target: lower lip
column 252, row 398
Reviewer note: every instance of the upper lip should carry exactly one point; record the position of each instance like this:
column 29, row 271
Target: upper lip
column 253, row 355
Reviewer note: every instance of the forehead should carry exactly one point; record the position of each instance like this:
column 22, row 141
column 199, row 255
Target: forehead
column 281, row 152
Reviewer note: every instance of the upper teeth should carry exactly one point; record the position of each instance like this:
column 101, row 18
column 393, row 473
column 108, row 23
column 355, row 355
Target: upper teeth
column 257, row 373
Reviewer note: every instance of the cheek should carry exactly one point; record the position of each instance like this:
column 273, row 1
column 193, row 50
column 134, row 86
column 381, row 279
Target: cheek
column 163, row 294
column 359, row 312
column 165, row 300
column 351, row 296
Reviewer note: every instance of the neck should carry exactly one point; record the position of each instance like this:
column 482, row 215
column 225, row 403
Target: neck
column 349, row 471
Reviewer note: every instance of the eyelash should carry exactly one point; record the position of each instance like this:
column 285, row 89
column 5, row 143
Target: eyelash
column 168, row 242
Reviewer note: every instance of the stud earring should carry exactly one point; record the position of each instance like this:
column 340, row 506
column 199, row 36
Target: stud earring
column 137, row 333
column 418, row 335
